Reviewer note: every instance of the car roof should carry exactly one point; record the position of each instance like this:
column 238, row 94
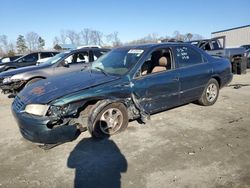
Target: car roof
column 87, row 48
column 153, row 45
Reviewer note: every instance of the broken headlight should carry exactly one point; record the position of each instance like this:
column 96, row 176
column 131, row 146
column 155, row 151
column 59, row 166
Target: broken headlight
column 65, row 110
column 36, row 109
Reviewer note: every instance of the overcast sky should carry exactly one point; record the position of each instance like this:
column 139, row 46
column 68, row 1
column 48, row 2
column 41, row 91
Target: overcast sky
column 133, row 19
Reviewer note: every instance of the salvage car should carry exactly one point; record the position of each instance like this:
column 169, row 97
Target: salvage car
column 69, row 61
column 125, row 84
column 26, row 60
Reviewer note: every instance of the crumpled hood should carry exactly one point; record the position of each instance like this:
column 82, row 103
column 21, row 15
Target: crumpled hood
column 45, row 91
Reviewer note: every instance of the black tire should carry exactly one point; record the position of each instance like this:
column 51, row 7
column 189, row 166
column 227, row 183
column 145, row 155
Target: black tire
column 32, row 81
column 210, row 93
column 97, row 126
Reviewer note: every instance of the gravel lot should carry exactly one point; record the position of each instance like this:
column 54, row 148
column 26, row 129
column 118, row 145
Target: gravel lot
column 189, row 146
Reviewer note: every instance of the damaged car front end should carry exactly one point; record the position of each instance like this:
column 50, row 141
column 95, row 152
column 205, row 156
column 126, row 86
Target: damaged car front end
column 49, row 113
column 10, row 85
column 45, row 124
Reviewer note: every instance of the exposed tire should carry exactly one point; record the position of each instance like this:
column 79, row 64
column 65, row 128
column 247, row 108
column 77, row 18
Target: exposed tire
column 32, row 81
column 107, row 119
column 210, row 93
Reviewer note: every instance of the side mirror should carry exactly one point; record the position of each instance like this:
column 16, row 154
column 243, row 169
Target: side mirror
column 65, row 64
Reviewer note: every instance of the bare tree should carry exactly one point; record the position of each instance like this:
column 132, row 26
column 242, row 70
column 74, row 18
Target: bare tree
column 32, row 41
column 96, row 37
column 4, row 43
column 114, row 39
column 150, row 38
column 56, row 41
column 178, row 36
column 1, row 52
column 11, row 49
column 73, row 36
column 63, row 37
column 86, row 35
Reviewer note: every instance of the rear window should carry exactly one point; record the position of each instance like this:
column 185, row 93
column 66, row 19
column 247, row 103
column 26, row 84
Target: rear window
column 46, row 54
column 187, row 56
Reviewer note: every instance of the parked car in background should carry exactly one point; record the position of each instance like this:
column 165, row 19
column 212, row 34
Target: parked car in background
column 125, row 84
column 247, row 46
column 247, row 55
column 9, row 59
column 216, row 47
column 69, row 61
column 26, row 60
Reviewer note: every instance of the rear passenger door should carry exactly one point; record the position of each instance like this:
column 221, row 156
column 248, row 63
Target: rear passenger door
column 194, row 72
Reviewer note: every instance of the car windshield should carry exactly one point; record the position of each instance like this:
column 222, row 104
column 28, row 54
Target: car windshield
column 16, row 60
column 55, row 58
column 118, row 61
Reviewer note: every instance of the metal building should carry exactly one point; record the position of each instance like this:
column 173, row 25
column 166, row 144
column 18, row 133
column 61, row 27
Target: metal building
column 235, row 37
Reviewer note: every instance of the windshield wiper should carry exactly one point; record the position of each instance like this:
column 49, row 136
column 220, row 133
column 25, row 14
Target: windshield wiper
column 102, row 70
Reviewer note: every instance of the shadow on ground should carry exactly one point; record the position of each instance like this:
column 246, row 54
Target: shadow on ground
column 97, row 163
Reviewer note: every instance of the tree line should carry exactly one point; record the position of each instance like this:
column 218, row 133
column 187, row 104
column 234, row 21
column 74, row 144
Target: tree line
column 24, row 44
column 33, row 42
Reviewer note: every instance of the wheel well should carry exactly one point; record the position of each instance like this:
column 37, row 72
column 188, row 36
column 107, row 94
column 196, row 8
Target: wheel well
column 10, row 68
column 218, row 80
column 35, row 78
column 87, row 107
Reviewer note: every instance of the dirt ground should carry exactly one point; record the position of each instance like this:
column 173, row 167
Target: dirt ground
column 189, row 146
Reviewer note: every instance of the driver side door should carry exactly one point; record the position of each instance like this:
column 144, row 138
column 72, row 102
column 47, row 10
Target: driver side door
column 157, row 90
column 28, row 60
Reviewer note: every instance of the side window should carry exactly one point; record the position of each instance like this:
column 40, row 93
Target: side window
column 216, row 45
column 186, row 56
column 45, row 55
column 30, row 58
column 99, row 53
column 207, row 47
column 158, row 61
column 81, row 57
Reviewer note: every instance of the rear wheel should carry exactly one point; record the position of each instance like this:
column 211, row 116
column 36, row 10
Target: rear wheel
column 106, row 120
column 210, row 93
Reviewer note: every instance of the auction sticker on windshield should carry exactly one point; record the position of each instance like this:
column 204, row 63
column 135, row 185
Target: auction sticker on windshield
column 138, row 52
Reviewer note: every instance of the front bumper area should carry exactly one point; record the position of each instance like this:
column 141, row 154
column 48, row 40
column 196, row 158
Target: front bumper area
column 6, row 88
column 12, row 87
column 34, row 129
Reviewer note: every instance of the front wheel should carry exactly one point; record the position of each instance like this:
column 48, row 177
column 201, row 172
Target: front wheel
column 210, row 93
column 106, row 120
